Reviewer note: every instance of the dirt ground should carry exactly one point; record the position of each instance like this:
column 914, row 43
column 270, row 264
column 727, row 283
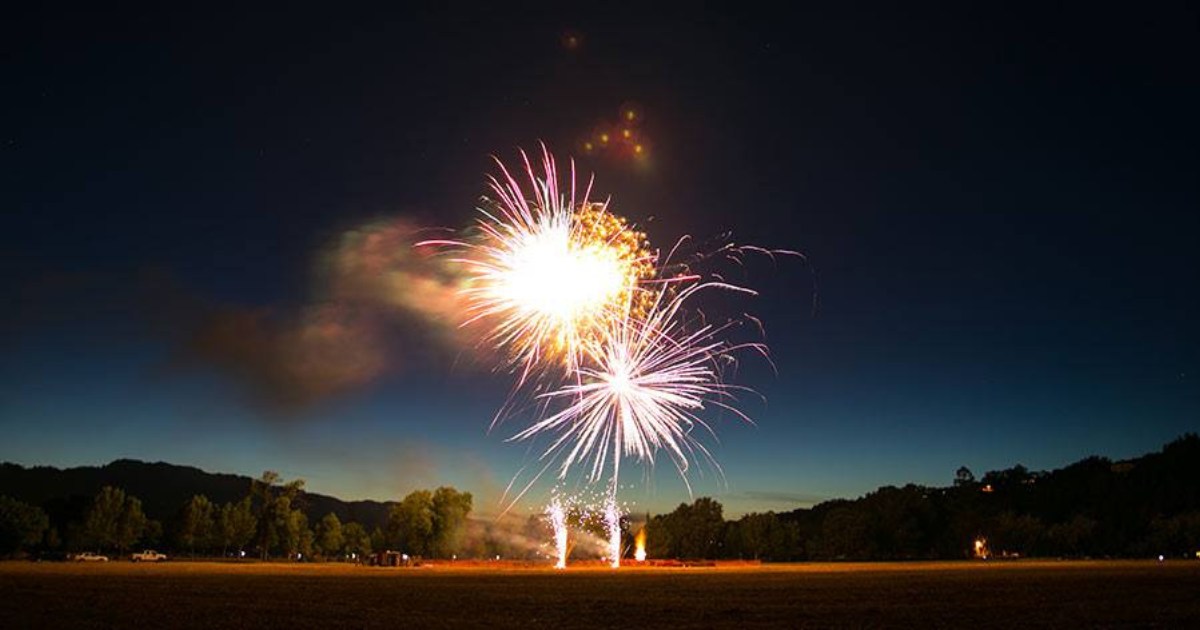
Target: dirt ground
column 886, row 595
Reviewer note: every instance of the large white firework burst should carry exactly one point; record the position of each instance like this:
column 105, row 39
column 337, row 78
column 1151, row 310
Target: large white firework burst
column 547, row 269
column 641, row 389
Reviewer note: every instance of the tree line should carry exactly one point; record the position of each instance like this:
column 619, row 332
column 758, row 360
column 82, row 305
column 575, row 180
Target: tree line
column 1147, row 506
column 1094, row 508
column 268, row 522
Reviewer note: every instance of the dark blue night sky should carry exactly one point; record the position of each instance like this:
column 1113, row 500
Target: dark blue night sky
column 1000, row 206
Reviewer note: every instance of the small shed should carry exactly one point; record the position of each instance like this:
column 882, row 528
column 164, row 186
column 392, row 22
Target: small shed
column 391, row 558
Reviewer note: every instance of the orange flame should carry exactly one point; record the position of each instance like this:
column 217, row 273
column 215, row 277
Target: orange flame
column 981, row 549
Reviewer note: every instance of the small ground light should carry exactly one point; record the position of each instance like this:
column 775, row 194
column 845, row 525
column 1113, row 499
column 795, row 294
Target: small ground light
column 1160, row 557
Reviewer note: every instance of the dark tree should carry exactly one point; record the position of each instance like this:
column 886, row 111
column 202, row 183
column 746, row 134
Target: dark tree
column 964, row 477
column 21, row 525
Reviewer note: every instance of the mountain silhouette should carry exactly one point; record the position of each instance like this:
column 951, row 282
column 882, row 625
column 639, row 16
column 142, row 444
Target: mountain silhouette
column 65, row 493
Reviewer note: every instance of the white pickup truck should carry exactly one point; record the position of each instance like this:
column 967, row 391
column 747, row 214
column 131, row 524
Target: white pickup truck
column 148, row 555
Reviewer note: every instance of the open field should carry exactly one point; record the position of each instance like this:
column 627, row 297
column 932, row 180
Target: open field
column 295, row 596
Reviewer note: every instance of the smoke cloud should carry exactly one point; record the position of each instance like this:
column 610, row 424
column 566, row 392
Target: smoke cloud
column 377, row 304
column 291, row 362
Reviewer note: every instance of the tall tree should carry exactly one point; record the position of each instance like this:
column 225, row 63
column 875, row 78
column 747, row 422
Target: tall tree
column 153, row 534
column 237, row 524
column 291, row 526
column 964, row 477
column 355, row 539
column 132, row 524
column 450, row 511
column 53, row 541
column 379, row 540
column 410, row 523
column 21, row 525
column 690, row 531
column 114, row 520
column 274, row 501
column 702, row 530
column 428, row 523
column 196, row 524
column 224, row 527
column 100, row 524
column 307, row 539
column 329, row 536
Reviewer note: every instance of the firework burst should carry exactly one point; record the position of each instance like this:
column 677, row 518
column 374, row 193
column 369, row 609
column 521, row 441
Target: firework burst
column 577, row 301
column 641, row 390
column 547, row 270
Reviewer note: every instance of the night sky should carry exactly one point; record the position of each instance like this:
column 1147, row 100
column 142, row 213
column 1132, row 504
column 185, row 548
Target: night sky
column 998, row 206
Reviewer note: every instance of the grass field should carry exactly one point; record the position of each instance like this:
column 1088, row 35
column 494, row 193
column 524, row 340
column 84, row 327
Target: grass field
column 293, row 596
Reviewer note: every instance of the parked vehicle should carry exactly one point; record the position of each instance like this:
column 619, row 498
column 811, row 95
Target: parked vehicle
column 88, row 556
column 148, row 555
